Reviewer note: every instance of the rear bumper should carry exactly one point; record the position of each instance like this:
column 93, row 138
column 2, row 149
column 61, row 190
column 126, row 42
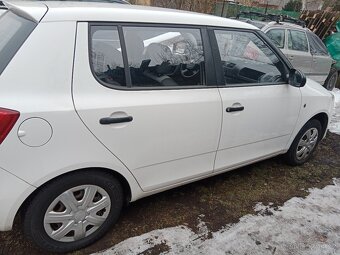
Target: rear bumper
column 13, row 192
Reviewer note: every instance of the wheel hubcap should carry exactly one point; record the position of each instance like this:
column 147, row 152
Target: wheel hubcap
column 77, row 213
column 307, row 143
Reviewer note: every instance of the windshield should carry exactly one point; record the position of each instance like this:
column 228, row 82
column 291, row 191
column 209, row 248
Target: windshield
column 14, row 30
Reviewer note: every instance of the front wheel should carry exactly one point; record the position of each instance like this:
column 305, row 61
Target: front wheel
column 73, row 211
column 304, row 143
column 332, row 79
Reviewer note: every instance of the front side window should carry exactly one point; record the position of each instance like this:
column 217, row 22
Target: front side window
column 277, row 36
column 14, row 30
column 164, row 56
column 246, row 59
column 106, row 55
column 297, row 40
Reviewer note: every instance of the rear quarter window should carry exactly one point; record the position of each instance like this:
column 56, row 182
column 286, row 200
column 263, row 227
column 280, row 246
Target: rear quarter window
column 14, row 30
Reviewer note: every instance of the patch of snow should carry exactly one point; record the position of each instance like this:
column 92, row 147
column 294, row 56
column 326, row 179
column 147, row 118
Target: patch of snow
column 301, row 226
column 334, row 127
column 203, row 230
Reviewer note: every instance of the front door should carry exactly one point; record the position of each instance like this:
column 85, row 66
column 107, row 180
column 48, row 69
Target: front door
column 259, row 109
column 146, row 100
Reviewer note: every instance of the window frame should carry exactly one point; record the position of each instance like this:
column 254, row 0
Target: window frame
column 298, row 30
column 209, row 74
column 261, row 35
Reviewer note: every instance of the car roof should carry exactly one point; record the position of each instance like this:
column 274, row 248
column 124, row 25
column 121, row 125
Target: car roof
column 111, row 12
column 283, row 25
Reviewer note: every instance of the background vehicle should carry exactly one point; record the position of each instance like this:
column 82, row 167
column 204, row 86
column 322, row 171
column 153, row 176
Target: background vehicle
column 132, row 102
column 303, row 48
column 333, row 45
column 305, row 51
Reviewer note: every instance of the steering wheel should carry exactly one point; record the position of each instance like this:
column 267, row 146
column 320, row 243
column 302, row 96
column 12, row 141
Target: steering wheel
column 270, row 77
column 189, row 70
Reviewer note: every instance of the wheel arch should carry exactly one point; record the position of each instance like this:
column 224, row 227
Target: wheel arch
column 323, row 118
column 125, row 184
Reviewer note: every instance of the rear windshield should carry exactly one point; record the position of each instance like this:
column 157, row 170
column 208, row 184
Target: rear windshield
column 14, row 30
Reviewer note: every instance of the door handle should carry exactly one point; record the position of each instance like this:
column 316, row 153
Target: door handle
column 109, row 120
column 235, row 109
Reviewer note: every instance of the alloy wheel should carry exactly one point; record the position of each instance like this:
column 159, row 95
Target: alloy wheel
column 307, row 143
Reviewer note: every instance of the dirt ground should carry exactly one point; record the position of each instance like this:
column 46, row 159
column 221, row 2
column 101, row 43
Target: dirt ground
column 222, row 199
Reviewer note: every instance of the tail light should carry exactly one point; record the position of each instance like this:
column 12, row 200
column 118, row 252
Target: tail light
column 8, row 118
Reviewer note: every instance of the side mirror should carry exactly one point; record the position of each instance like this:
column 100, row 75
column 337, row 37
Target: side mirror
column 297, row 78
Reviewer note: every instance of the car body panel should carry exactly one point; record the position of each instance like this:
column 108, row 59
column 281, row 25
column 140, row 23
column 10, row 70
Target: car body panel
column 263, row 127
column 37, row 165
column 13, row 192
column 148, row 142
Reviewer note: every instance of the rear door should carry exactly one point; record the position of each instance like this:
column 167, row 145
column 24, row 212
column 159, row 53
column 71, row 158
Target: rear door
column 298, row 50
column 260, row 109
column 322, row 62
column 144, row 95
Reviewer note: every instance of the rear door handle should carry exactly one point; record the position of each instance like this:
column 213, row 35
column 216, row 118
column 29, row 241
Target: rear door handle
column 235, row 109
column 109, row 120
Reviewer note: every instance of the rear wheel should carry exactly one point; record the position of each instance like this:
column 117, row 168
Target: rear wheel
column 332, row 79
column 304, row 143
column 73, row 211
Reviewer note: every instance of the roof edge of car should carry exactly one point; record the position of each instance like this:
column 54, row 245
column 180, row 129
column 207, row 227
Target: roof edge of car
column 31, row 11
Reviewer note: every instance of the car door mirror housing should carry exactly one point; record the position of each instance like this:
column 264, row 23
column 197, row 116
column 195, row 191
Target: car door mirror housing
column 297, row 78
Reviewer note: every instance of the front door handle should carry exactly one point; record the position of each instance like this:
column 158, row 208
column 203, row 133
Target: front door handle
column 109, row 120
column 235, row 109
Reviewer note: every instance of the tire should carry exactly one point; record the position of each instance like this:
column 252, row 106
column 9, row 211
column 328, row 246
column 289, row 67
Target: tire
column 332, row 79
column 102, row 191
column 293, row 156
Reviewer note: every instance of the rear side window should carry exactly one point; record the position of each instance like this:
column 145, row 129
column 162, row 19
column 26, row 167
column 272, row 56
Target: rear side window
column 164, row 56
column 147, row 56
column 297, row 40
column 14, row 30
column 106, row 55
column 277, row 36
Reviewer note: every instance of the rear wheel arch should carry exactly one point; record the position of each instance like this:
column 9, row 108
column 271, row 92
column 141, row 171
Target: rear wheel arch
column 123, row 181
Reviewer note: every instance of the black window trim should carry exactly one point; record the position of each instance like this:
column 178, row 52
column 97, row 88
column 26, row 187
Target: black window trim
column 210, row 77
column 261, row 35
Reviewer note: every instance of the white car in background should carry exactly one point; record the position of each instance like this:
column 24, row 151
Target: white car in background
column 104, row 104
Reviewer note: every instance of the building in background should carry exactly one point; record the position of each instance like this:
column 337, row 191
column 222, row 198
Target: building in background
column 312, row 5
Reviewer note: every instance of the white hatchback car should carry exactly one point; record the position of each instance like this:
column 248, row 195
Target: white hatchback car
column 103, row 104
